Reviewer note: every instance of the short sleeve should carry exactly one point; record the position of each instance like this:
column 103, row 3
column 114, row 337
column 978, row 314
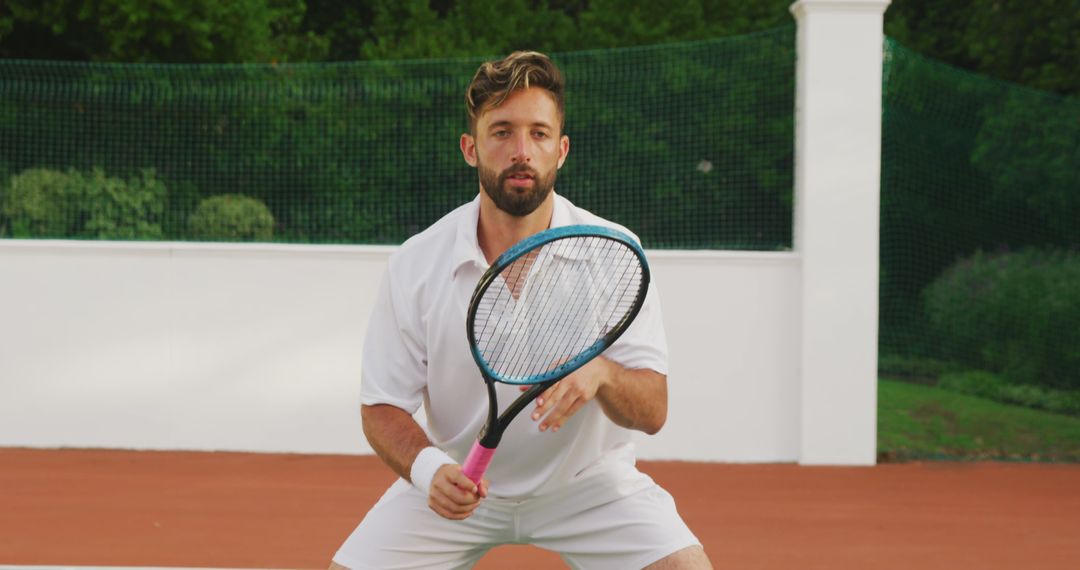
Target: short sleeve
column 644, row 344
column 393, row 365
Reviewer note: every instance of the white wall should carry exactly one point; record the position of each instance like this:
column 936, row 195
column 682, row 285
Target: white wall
column 257, row 348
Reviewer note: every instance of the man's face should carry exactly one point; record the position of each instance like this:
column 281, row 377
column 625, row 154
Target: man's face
column 518, row 149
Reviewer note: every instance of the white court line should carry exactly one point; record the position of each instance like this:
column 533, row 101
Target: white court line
column 72, row 567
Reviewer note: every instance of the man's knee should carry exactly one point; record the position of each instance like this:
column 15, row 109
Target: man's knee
column 689, row 558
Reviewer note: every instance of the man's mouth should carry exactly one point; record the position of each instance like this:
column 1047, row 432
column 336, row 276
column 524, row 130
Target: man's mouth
column 520, row 179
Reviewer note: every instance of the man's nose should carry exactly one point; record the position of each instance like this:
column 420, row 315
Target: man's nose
column 521, row 149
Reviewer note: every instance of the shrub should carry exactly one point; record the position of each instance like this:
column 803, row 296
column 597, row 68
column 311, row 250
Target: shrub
column 915, row 368
column 119, row 209
column 36, row 203
column 994, row 387
column 231, row 217
column 1015, row 314
column 973, row 383
column 43, row 203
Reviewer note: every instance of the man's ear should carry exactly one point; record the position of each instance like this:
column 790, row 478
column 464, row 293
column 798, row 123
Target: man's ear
column 468, row 148
column 564, row 149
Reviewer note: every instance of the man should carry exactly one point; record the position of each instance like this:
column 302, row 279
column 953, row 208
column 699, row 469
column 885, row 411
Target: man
column 564, row 481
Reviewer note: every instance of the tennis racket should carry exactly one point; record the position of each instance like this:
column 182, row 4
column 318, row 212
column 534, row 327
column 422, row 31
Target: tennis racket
column 547, row 306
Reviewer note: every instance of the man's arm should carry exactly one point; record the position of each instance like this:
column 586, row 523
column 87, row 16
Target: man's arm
column 397, row 439
column 634, row 399
column 394, row 435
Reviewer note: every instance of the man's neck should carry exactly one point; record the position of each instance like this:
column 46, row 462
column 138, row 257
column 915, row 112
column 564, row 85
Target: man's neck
column 496, row 230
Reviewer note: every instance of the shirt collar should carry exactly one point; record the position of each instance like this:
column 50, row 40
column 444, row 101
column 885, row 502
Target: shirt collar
column 467, row 246
column 560, row 213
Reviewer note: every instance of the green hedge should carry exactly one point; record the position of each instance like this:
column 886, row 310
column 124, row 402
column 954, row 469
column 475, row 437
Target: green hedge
column 917, row 369
column 994, row 387
column 1015, row 314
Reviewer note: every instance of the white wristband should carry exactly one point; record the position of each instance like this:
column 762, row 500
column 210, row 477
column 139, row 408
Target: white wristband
column 427, row 462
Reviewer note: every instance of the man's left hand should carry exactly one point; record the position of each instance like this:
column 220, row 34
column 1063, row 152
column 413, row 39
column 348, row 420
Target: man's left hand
column 562, row 400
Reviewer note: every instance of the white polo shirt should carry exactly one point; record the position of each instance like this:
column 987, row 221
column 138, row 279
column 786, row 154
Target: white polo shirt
column 416, row 352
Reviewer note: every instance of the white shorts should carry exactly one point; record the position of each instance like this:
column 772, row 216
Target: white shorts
column 603, row 521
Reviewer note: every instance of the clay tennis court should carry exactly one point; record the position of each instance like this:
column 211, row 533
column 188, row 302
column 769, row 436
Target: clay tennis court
column 239, row 510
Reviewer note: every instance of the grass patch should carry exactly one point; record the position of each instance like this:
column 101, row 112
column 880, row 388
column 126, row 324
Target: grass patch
column 921, row 422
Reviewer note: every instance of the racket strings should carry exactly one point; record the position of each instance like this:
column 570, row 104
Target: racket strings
column 553, row 305
column 558, row 348
column 602, row 309
column 543, row 357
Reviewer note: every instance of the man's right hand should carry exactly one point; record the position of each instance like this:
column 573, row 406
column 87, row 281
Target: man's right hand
column 453, row 495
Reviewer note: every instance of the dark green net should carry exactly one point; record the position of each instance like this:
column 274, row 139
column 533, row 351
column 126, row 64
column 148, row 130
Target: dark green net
column 689, row 145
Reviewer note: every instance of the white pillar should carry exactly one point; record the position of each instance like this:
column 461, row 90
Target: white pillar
column 837, row 178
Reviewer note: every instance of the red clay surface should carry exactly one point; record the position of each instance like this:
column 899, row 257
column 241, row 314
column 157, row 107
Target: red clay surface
column 92, row 507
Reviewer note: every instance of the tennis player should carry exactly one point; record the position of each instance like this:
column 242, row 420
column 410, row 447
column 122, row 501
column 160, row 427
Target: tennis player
column 566, row 480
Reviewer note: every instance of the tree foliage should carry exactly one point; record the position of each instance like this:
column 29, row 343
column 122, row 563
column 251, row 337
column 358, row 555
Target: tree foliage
column 248, row 31
column 1031, row 42
column 969, row 163
column 173, row 31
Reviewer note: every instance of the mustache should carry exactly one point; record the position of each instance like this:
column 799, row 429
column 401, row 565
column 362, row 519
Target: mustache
column 519, row 169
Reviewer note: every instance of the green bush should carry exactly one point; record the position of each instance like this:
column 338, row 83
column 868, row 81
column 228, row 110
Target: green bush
column 119, row 209
column 1059, row 401
column 1015, row 314
column 231, row 217
column 914, row 368
column 35, row 203
column 994, row 387
column 43, row 203
column 974, row 383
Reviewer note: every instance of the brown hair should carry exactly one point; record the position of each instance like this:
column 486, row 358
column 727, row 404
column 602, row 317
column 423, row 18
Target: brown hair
column 496, row 80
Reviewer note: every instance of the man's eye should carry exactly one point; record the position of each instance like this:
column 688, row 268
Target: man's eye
column 540, row 134
column 502, row 134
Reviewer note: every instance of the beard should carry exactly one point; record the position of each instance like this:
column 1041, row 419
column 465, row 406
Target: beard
column 518, row 202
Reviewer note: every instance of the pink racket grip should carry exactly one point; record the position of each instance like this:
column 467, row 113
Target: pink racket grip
column 477, row 462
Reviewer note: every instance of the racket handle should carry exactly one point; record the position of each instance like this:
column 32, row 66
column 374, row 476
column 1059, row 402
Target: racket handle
column 477, row 462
